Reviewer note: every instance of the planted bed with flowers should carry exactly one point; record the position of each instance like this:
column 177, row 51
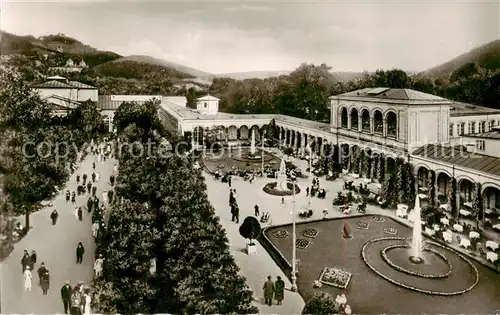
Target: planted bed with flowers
column 335, row 277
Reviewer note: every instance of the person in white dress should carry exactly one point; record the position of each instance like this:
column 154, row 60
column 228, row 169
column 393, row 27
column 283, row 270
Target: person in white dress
column 105, row 197
column 27, row 279
column 98, row 266
column 95, row 228
column 88, row 300
column 97, row 176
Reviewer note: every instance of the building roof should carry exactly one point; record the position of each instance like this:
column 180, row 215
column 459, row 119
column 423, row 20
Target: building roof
column 56, row 77
column 461, row 158
column 106, row 103
column 393, row 94
column 462, row 109
column 208, row 97
column 54, row 84
column 61, row 100
column 492, row 134
column 178, row 100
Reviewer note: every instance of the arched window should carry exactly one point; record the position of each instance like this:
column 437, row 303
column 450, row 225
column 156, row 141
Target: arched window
column 354, row 119
column 392, row 125
column 378, row 122
column 365, row 120
column 343, row 118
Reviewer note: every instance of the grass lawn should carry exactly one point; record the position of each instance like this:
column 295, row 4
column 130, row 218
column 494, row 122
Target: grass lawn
column 369, row 293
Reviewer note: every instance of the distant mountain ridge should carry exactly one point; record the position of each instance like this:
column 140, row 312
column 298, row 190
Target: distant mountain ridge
column 487, row 56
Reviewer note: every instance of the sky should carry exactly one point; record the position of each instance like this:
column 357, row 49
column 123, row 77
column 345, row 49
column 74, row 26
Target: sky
column 237, row 36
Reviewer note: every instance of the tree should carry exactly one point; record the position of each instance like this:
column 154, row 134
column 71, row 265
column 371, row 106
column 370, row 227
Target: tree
column 477, row 201
column 452, row 197
column 250, row 229
column 409, row 184
column 322, row 303
column 431, row 190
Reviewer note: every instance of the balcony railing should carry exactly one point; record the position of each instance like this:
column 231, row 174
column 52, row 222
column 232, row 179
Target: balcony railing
column 372, row 138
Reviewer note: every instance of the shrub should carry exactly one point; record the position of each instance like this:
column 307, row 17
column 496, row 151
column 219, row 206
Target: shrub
column 322, row 303
column 270, row 188
column 250, row 229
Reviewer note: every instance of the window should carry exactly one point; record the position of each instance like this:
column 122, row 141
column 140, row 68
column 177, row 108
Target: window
column 491, row 124
column 462, row 129
column 480, row 145
column 205, row 105
column 482, row 126
column 451, row 130
column 472, row 127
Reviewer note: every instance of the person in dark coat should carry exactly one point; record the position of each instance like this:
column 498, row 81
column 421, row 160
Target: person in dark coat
column 53, row 216
column 90, row 204
column 279, row 290
column 93, row 176
column 80, row 214
column 112, row 180
column 96, row 202
column 41, row 271
column 94, row 190
column 84, row 177
column 26, row 260
column 77, row 178
column 73, row 197
column 32, row 260
column 80, row 250
column 229, row 180
column 45, row 282
column 110, row 196
column 256, row 210
column 67, row 195
column 89, row 187
column 66, row 296
column 268, row 291
column 93, row 166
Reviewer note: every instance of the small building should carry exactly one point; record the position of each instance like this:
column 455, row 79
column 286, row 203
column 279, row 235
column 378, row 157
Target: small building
column 70, row 63
column 487, row 143
column 207, row 105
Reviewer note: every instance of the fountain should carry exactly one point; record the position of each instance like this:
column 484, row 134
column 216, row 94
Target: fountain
column 416, row 240
column 282, row 178
column 252, row 145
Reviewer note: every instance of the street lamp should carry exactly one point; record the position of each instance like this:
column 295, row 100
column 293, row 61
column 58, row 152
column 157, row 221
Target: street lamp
column 262, row 153
column 294, row 240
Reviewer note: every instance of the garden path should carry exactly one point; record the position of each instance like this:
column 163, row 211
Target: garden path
column 54, row 245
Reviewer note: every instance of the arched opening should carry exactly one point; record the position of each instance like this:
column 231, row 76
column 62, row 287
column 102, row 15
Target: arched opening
column 232, row 133
column 198, row 134
column 466, row 188
column 319, row 146
column 378, row 122
column 344, row 156
column 287, row 137
column 244, row 132
column 392, row 124
column 343, row 118
column 365, row 120
column 354, row 119
column 293, row 139
column 491, row 199
column 255, row 130
column 354, row 159
column 443, row 185
column 391, row 166
column 423, row 179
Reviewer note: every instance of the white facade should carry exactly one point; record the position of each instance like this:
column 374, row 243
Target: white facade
column 207, row 105
column 461, row 125
column 87, row 94
column 69, row 93
column 134, row 98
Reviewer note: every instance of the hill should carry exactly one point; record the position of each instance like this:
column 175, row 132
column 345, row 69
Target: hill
column 341, row 76
column 487, row 56
column 167, row 64
column 131, row 69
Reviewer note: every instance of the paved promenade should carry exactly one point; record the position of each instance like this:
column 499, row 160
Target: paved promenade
column 56, row 246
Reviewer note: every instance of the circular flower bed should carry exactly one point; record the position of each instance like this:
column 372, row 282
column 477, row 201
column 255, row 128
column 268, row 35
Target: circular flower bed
column 410, row 287
column 271, row 189
column 248, row 157
column 413, row 273
column 280, row 233
column 311, row 233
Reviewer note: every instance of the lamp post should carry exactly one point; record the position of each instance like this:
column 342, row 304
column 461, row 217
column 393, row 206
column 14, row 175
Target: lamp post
column 294, row 240
column 310, row 172
column 262, row 153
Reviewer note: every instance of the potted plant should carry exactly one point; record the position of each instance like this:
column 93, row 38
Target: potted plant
column 250, row 229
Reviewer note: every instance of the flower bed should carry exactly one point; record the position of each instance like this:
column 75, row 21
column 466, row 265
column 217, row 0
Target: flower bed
column 391, row 231
column 271, row 189
column 413, row 273
column 362, row 225
column 379, row 219
column 280, row 233
column 336, row 278
column 409, row 287
column 311, row 233
column 302, row 243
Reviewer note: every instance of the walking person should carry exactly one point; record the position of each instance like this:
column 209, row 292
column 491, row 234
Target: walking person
column 94, row 190
column 80, row 214
column 26, row 260
column 97, row 177
column 229, row 180
column 80, row 250
column 41, row 271
column 45, row 282
column 27, row 279
column 32, row 260
column 53, row 216
column 95, row 228
column 268, row 291
column 87, row 300
column 256, row 210
column 307, row 191
column 89, row 187
column 66, row 296
column 237, row 213
column 279, row 290
column 84, row 178
column 93, row 176
column 98, row 266
column 110, row 196
column 90, row 204
column 78, row 178
column 67, row 195
column 73, row 197
column 112, row 180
